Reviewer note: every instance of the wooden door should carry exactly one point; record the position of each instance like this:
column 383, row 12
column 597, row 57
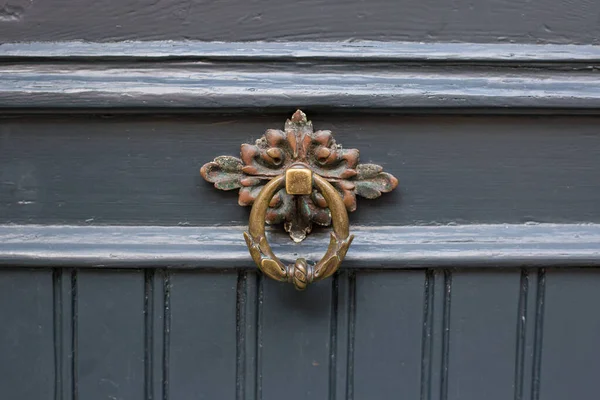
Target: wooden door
column 124, row 275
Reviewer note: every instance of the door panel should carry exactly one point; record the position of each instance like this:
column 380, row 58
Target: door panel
column 388, row 329
column 294, row 341
column 482, row 343
column 434, row 333
column 569, row 357
column 109, row 334
column 475, row 279
column 200, row 335
column 27, row 352
column 127, row 170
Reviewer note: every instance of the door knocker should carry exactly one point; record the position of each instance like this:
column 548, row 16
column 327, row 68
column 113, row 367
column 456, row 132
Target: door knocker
column 298, row 177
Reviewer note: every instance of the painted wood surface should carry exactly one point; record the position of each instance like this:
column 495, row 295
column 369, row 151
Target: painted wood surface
column 416, row 81
column 29, row 366
column 378, row 51
column 433, row 304
column 144, row 170
column 384, row 247
column 110, row 361
column 432, row 334
column 544, row 21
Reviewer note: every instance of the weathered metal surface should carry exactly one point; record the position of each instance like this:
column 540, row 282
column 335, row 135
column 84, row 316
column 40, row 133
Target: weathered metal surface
column 302, row 272
column 310, row 179
column 275, row 152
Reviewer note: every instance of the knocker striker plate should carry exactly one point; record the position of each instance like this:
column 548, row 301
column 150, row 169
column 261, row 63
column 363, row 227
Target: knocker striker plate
column 298, row 177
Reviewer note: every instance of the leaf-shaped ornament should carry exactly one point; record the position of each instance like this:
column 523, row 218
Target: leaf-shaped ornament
column 371, row 181
column 225, row 172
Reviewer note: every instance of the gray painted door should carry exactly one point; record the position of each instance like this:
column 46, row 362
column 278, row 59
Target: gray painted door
column 179, row 334
column 124, row 276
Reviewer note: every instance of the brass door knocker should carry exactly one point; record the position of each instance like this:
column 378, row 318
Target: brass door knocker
column 298, row 177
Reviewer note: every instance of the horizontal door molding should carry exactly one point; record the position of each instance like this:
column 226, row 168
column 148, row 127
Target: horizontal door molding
column 137, row 76
column 448, row 53
column 408, row 247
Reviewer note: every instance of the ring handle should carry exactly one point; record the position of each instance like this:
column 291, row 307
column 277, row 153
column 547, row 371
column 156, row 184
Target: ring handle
column 302, row 272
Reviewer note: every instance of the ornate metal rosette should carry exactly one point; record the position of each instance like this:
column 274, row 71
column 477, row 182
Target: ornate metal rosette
column 298, row 144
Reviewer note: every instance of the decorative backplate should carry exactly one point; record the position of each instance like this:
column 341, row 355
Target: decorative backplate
column 298, row 144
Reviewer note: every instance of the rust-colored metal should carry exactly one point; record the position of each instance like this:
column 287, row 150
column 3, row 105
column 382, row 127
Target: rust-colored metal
column 298, row 145
column 298, row 177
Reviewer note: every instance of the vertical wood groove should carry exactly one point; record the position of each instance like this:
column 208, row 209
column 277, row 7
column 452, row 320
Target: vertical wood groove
column 148, row 334
column 259, row 334
column 166, row 334
column 437, row 327
column 538, row 336
column 351, row 333
column 240, row 313
column 74, row 341
column 427, row 336
column 250, row 339
column 341, row 331
column 446, row 334
column 156, row 325
column 526, row 379
column 63, row 333
column 58, row 332
column 333, row 337
column 521, row 334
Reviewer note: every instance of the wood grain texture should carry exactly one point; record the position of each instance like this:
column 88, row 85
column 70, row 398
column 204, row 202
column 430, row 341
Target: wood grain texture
column 27, row 351
column 95, row 170
column 545, row 21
